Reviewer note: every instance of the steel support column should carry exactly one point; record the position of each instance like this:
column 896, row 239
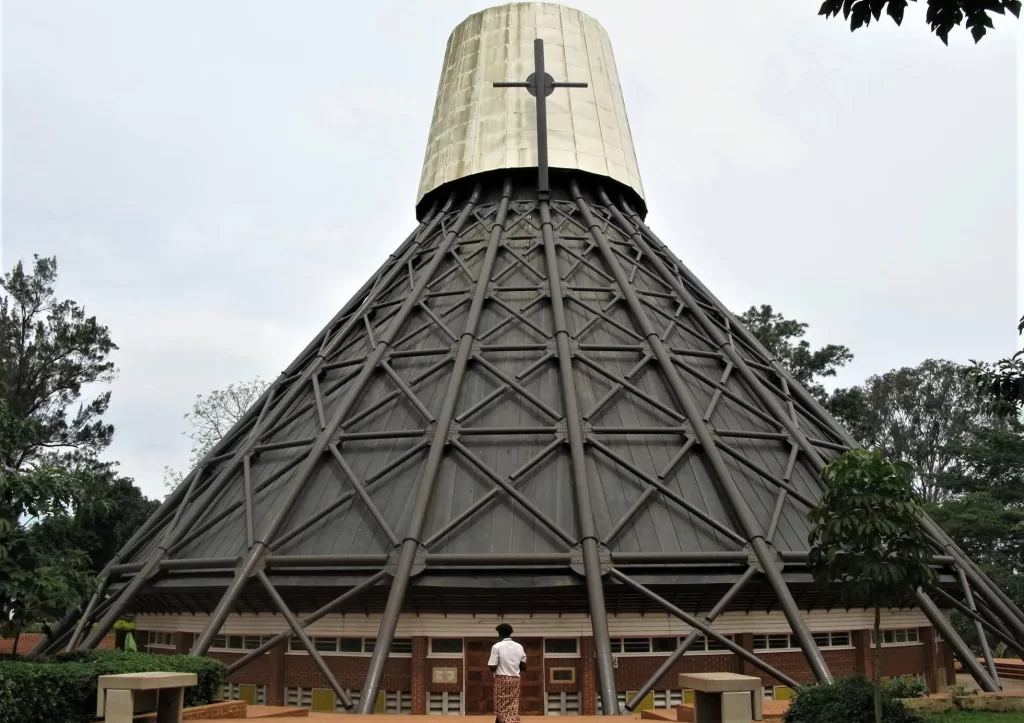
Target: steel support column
column 690, row 639
column 986, row 651
column 731, row 494
column 584, row 510
column 435, row 455
column 706, row 629
column 963, row 653
column 309, row 465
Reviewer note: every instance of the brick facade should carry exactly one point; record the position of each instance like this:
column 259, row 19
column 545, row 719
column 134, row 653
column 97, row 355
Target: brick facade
column 279, row 669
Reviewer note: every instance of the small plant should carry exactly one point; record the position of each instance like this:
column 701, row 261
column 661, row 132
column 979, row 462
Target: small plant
column 907, row 688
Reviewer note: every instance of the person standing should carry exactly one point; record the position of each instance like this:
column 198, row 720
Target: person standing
column 507, row 660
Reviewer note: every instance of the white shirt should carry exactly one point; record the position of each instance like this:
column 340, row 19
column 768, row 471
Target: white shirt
column 507, row 655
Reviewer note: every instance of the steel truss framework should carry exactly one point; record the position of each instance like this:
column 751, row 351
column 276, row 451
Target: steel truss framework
column 546, row 368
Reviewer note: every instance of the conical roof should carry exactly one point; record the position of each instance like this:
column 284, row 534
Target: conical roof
column 532, row 403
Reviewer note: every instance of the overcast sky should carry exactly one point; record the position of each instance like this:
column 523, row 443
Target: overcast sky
column 216, row 179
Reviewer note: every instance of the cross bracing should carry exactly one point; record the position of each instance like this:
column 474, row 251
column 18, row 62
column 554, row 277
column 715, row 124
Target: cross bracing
column 529, row 393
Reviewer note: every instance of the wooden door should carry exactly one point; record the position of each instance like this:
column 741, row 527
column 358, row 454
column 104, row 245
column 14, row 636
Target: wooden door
column 480, row 681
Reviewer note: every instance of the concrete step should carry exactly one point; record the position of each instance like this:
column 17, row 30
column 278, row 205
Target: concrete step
column 274, row 711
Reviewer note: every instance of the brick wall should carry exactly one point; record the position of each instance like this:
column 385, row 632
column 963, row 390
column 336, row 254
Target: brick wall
column 418, row 675
column 431, row 663
column 27, row 641
column 588, row 677
column 634, row 671
column 301, row 672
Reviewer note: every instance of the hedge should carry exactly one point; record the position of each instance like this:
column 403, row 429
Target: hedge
column 847, row 700
column 63, row 689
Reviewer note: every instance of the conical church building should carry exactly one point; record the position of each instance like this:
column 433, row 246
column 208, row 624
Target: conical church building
column 535, row 413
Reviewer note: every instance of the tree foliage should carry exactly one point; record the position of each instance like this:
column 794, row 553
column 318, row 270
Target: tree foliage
column 784, row 339
column 212, row 416
column 866, row 537
column 49, row 350
column 61, row 508
column 942, row 15
column 924, row 415
column 1002, row 383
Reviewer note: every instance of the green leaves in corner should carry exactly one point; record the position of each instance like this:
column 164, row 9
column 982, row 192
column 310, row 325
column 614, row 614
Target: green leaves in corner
column 942, row 15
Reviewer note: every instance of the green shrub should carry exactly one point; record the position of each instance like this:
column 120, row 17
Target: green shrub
column 848, row 700
column 63, row 689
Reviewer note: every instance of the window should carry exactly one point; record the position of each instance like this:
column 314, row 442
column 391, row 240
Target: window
column 900, row 636
column 444, row 703
column 561, row 675
column 709, row 645
column 832, row 640
column 788, row 641
column 401, row 646
column 160, row 639
column 239, row 642
column 664, row 645
column 446, row 646
column 325, row 645
column 561, row 647
column 350, row 646
column 563, row 704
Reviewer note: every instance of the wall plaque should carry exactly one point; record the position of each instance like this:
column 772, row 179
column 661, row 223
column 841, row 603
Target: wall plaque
column 445, row 675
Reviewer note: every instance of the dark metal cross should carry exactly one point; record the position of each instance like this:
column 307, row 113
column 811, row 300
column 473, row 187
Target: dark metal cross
column 546, row 87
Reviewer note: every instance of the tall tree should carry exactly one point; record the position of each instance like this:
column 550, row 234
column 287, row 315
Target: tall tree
column 866, row 538
column 784, row 338
column 212, row 416
column 942, row 15
column 49, row 350
column 923, row 415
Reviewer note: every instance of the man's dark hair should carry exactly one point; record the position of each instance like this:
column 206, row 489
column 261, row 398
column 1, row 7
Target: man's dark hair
column 504, row 630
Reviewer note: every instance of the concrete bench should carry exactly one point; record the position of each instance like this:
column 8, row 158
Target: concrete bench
column 143, row 697
column 724, row 697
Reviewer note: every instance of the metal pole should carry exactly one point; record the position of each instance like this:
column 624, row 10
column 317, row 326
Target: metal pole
column 963, row 653
column 435, row 455
column 690, row 639
column 985, row 650
column 318, row 660
column 732, row 495
column 309, row 465
column 697, row 624
column 581, row 486
column 312, row 618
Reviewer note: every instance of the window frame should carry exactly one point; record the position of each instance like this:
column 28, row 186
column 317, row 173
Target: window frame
column 562, row 655
column 366, row 647
column 794, row 646
column 895, row 634
column 169, row 645
column 452, row 656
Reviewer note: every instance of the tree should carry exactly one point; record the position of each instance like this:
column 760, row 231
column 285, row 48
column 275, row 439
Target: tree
column 942, row 15
column 212, row 416
column 921, row 415
column 866, row 537
column 50, row 350
column 1002, row 383
column 100, row 531
column 784, row 338
column 37, row 581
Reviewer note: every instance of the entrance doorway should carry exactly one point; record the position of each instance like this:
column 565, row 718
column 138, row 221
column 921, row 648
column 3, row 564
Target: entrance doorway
column 480, row 681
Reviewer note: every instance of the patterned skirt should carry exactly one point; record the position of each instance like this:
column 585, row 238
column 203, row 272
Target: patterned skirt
column 506, row 698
